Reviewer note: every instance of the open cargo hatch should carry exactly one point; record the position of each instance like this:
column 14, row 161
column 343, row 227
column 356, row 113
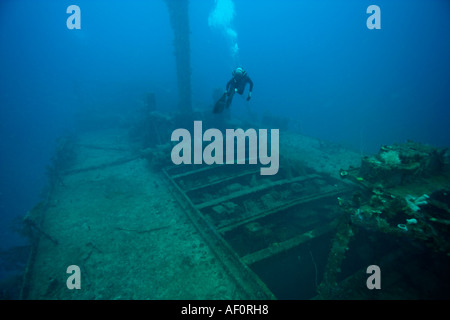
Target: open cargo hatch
column 263, row 228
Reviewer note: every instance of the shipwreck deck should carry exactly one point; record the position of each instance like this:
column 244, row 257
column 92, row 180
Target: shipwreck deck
column 210, row 232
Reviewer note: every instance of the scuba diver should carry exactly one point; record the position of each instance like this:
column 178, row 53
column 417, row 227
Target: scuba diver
column 235, row 85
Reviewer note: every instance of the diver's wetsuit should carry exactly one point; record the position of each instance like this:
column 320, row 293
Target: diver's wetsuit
column 238, row 83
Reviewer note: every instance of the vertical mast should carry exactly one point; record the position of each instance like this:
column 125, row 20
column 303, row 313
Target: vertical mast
column 179, row 19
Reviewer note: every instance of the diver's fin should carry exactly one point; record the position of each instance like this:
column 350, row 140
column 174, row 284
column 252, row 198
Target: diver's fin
column 220, row 104
column 228, row 102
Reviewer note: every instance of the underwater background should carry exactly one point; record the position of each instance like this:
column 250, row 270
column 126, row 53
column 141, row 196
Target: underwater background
column 314, row 62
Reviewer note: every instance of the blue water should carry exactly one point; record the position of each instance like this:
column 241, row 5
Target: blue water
column 315, row 62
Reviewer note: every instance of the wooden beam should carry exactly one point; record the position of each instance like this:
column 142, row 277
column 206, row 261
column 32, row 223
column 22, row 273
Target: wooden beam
column 253, row 190
column 287, row 205
column 226, row 179
column 276, row 248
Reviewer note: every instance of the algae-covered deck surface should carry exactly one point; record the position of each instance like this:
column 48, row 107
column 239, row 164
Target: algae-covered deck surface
column 116, row 218
column 121, row 226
